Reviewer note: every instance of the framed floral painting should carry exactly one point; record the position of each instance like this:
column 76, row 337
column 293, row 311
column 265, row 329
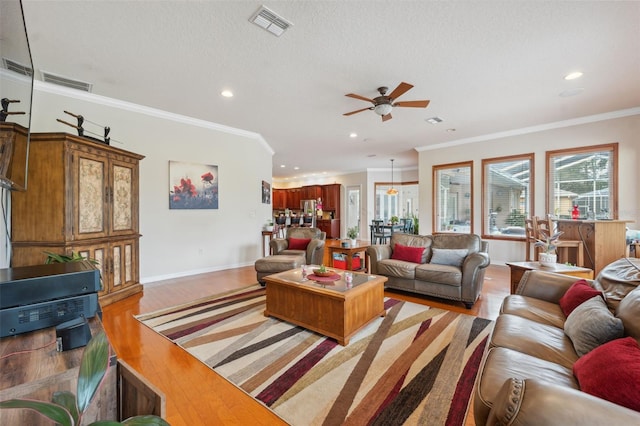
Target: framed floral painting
column 192, row 186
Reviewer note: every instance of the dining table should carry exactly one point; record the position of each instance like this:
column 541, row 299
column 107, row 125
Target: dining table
column 395, row 227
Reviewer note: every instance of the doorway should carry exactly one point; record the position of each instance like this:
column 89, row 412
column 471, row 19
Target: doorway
column 353, row 209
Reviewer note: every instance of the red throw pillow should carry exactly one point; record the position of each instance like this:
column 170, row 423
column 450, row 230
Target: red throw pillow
column 408, row 254
column 578, row 293
column 612, row 372
column 298, row 243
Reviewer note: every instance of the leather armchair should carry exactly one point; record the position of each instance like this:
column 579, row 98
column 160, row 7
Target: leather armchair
column 314, row 252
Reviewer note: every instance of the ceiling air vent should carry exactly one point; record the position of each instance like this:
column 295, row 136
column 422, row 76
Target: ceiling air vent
column 268, row 20
column 66, row 82
column 17, row 67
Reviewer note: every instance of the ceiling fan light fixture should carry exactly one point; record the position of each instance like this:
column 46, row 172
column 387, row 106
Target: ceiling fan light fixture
column 383, row 109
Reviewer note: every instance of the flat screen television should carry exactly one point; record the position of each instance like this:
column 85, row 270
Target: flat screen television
column 16, row 91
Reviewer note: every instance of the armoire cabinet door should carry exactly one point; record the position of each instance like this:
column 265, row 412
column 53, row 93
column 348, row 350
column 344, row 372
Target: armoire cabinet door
column 124, row 255
column 123, row 196
column 90, row 195
column 99, row 253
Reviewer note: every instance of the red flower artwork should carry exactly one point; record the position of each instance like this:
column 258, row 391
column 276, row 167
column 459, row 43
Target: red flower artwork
column 207, row 177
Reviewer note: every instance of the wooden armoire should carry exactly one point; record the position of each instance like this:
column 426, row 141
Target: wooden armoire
column 82, row 197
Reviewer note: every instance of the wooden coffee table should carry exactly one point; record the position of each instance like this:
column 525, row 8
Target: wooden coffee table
column 333, row 309
column 519, row 268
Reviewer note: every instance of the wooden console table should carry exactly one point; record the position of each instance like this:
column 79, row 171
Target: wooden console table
column 519, row 268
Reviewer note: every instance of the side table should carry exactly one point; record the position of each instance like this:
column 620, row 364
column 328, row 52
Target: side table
column 335, row 246
column 519, row 268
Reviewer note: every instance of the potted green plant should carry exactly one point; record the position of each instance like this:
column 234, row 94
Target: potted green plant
column 67, row 409
column 394, row 220
column 548, row 256
column 352, row 233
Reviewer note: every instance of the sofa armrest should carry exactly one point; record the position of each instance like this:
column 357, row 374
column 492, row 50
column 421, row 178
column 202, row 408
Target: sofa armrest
column 544, row 285
column 315, row 252
column 535, row 402
column 376, row 253
column 277, row 245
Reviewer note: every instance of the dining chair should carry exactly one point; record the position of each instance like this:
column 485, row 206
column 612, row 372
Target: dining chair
column 562, row 246
column 530, row 240
column 378, row 233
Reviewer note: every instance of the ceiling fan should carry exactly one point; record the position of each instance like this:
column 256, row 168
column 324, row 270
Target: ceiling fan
column 383, row 104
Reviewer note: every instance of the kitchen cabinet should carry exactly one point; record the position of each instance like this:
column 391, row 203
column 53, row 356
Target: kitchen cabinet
column 279, row 199
column 331, row 198
column 294, row 195
column 82, row 197
column 330, row 226
column 311, row 192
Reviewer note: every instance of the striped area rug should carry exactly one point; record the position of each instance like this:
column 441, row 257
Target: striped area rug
column 416, row 366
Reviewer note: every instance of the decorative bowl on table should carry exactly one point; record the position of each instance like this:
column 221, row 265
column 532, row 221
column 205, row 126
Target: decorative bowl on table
column 323, row 273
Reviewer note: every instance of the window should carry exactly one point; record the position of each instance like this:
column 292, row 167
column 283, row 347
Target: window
column 453, row 196
column 403, row 205
column 586, row 177
column 507, row 188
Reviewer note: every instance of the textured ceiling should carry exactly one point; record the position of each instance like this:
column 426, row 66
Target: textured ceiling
column 486, row 66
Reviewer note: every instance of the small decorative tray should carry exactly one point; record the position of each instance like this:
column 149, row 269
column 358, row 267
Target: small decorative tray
column 326, row 273
column 324, row 279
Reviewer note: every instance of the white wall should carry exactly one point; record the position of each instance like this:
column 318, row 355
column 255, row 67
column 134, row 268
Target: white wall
column 624, row 130
column 178, row 242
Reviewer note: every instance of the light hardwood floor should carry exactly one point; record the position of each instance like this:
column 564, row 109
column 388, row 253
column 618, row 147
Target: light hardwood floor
column 195, row 395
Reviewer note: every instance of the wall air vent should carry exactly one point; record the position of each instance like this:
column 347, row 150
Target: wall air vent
column 17, row 67
column 268, row 20
column 66, row 82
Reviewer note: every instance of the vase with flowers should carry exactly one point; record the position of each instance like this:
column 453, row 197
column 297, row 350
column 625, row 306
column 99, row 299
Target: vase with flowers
column 548, row 244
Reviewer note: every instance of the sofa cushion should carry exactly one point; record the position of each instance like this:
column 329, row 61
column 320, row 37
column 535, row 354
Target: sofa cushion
column 578, row 293
column 539, row 340
column 617, row 279
column 397, row 268
column 410, row 240
column 452, row 257
column 629, row 312
column 534, row 309
column 592, row 324
column 298, row 243
column 612, row 372
column 439, row 274
column 409, row 254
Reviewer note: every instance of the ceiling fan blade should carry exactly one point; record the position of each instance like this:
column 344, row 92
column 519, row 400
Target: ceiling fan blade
column 386, row 117
column 362, row 98
column 413, row 104
column 356, row 111
column 400, row 90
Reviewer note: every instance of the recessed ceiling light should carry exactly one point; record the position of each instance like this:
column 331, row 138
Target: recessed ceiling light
column 227, row 93
column 571, row 92
column 282, row 166
column 573, row 75
column 451, row 130
column 353, row 135
column 296, row 168
column 434, row 120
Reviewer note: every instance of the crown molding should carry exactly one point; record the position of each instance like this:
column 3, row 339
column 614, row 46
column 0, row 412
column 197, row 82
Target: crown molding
column 41, row 86
column 533, row 129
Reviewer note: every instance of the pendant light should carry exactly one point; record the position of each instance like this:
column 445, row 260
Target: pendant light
column 392, row 190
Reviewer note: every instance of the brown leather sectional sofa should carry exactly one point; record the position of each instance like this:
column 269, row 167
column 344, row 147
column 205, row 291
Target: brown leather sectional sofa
column 527, row 374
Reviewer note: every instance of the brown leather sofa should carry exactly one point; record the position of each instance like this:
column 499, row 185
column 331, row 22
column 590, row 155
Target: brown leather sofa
column 527, row 373
column 452, row 266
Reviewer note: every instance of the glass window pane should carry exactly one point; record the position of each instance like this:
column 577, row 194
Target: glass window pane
column 507, row 187
column 584, row 177
column 453, row 193
column 403, row 205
